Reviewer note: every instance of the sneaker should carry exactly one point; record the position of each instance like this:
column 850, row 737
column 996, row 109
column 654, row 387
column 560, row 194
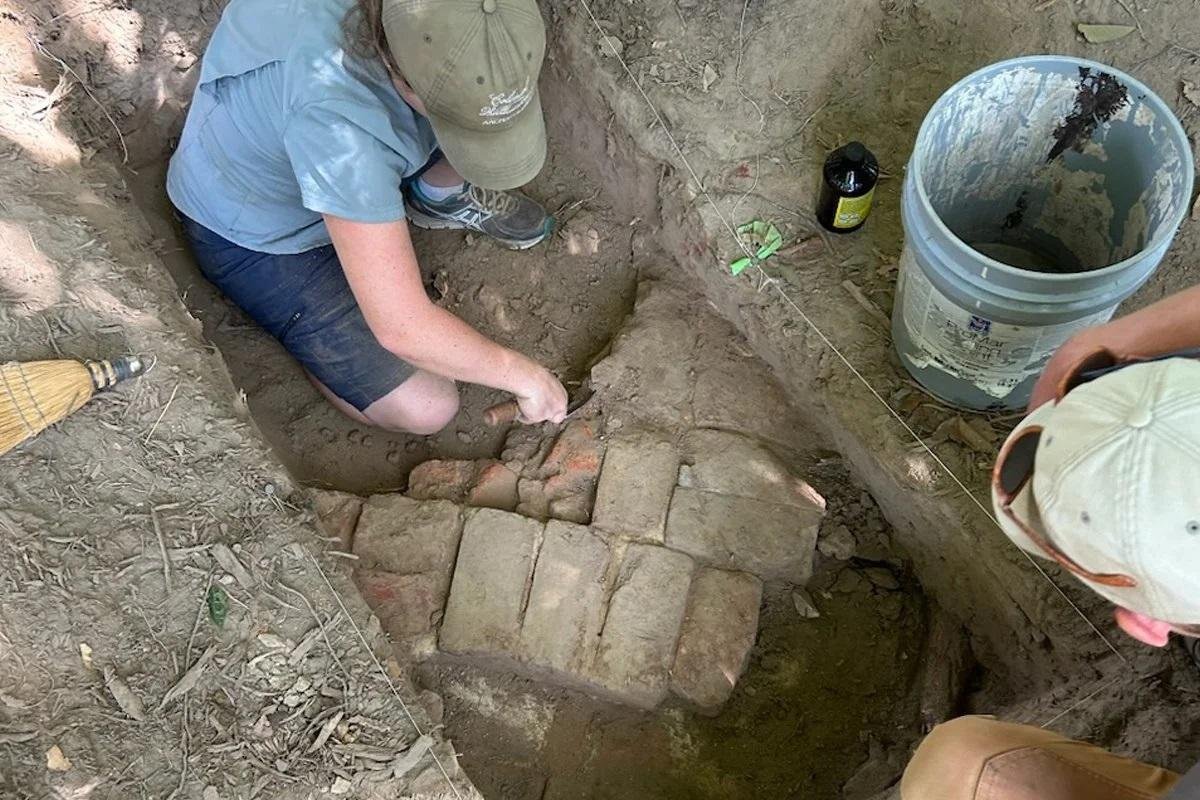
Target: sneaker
column 508, row 217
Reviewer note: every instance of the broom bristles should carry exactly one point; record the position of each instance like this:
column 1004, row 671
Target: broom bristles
column 37, row 394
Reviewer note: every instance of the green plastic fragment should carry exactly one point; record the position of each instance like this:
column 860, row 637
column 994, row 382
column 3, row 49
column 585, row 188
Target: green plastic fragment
column 218, row 605
column 761, row 238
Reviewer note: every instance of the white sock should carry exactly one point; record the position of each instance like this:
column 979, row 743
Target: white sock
column 439, row 193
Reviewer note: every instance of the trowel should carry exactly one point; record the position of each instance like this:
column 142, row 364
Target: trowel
column 509, row 411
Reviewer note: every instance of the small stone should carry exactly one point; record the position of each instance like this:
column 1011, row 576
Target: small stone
column 341, row 786
column 211, row 793
column 883, row 579
column 56, row 760
column 804, row 604
column 464, row 437
column 394, row 458
column 839, row 543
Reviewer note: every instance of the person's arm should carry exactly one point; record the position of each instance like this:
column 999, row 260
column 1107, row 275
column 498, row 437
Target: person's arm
column 1171, row 324
column 381, row 266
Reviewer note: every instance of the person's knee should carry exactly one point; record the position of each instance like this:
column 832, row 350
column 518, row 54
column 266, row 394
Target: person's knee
column 423, row 405
column 952, row 755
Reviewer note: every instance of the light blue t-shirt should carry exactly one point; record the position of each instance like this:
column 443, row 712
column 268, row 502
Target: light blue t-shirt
column 285, row 125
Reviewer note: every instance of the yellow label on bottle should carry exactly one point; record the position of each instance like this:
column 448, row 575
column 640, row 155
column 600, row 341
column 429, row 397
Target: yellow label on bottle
column 851, row 211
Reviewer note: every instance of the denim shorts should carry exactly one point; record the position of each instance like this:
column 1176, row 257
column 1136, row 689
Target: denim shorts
column 305, row 302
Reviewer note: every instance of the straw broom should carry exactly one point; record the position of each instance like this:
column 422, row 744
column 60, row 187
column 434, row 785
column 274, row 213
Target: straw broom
column 37, row 394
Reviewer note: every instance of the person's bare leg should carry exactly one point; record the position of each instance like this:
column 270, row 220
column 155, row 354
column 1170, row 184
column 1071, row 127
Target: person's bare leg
column 422, row 405
column 442, row 174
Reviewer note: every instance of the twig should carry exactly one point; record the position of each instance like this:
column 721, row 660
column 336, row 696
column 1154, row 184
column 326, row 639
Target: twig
column 737, row 70
column 166, row 408
column 67, row 67
column 162, row 549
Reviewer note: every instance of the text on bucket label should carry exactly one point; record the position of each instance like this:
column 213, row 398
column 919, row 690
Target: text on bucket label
column 993, row 356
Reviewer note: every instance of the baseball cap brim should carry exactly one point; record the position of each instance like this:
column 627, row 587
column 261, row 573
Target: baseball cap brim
column 1022, row 504
column 496, row 159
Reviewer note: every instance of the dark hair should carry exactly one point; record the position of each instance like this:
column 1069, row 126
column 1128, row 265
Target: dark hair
column 362, row 28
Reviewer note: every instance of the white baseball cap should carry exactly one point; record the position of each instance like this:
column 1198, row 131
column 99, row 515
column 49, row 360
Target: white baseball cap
column 1106, row 481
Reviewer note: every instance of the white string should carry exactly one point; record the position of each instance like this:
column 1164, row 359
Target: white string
column 395, row 692
column 767, row 280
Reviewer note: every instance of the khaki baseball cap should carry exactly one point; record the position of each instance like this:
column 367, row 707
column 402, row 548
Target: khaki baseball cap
column 475, row 65
column 1106, row 481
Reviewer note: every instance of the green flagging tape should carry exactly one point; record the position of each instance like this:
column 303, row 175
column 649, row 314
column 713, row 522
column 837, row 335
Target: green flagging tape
column 762, row 238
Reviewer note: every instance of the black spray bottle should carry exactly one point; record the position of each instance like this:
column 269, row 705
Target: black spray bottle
column 847, row 188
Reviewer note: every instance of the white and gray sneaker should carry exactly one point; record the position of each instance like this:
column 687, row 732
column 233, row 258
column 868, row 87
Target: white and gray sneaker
column 510, row 218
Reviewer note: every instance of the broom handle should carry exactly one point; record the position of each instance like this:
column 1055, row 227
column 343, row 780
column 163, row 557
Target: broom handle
column 107, row 374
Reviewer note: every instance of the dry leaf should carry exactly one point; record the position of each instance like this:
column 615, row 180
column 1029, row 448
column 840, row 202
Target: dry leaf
column 1192, row 92
column 189, row 679
column 129, row 702
column 1102, row 34
column 1196, row 208
column 56, row 761
column 710, row 76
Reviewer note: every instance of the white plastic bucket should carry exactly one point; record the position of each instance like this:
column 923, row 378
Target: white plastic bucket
column 1041, row 192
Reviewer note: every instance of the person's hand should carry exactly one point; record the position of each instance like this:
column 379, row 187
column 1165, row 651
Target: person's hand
column 542, row 397
column 1065, row 361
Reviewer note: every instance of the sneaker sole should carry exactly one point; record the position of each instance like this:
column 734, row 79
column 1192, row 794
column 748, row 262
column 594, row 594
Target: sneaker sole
column 428, row 223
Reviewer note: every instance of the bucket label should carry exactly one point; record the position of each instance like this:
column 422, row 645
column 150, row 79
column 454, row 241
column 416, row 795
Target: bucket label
column 851, row 211
column 993, row 356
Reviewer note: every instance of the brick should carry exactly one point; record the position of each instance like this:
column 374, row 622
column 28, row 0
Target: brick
column 441, row 480
column 774, row 542
column 495, row 486
column 402, row 535
column 741, row 394
column 487, row 595
column 637, row 646
column 571, row 470
column 533, row 500
column 566, row 603
column 729, row 463
column 718, row 631
column 337, row 514
column 636, row 482
column 407, row 605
